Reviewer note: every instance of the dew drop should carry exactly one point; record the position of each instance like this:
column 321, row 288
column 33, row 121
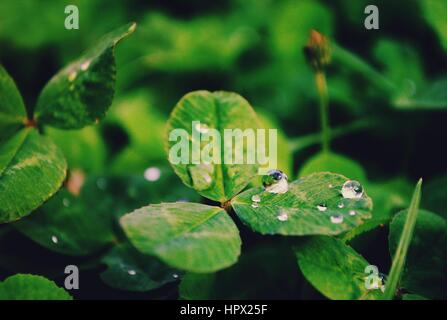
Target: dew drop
column 66, row 202
column 322, row 207
column 341, row 205
column 54, row 239
column 255, row 205
column 283, row 216
column 132, row 272
column 85, row 65
column 352, row 213
column 201, row 176
column 256, row 198
column 352, row 190
column 201, row 127
column 330, row 186
column 152, row 174
column 338, row 218
column 275, row 181
column 175, row 275
column 101, row 183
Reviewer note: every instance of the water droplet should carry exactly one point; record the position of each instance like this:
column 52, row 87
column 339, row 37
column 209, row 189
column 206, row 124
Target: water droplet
column 341, row 205
column 283, row 216
column 175, row 275
column 72, row 76
column 330, row 186
column 54, row 239
column 352, row 213
column 201, row 127
column 256, row 198
column 201, row 176
column 352, row 189
column 66, row 202
column 132, row 272
column 322, row 207
column 152, row 174
column 101, row 183
column 338, row 218
column 85, row 65
column 255, row 205
column 275, row 181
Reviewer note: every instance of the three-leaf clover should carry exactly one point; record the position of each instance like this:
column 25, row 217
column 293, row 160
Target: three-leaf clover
column 32, row 168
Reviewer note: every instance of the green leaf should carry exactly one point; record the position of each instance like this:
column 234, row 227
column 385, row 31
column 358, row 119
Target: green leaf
column 430, row 97
column 295, row 212
column 188, row 236
column 388, row 197
column 128, row 269
column 81, row 93
column 334, row 269
column 66, row 224
column 331, row 162
column 9, row 148
column 216, row 110
column 84, row 149
column 410, row 296
column 12, row 109
column 435, row 12
column 426, row 264
column 33, row 175
column 435, row 195
column 31, row 287
column 265, row 271
column 400, row 253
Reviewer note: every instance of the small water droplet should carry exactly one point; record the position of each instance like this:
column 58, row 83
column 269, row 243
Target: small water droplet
column 72, row 76
column 275, row 181
column 352, row 190
column 201, row 176
column 330, row 186
column 132, row 272
column 152, row 174
column 201, row 127
column 255, row 205
column 341, row 205
column 175, row 275
column 66, row 202
column 101, row 183
column 338, row 218
column 283, row 216
column 322, row 207
column 85, row 65
column 256, row 198
column 352, row 213
column 54, row 239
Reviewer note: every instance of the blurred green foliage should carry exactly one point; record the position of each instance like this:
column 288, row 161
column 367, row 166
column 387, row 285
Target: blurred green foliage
column 393, row 80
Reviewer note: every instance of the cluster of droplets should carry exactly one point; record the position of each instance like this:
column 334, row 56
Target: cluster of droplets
column 351, row 189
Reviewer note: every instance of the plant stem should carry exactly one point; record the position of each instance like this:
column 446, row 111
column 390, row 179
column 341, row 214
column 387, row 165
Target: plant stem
column 320, row 81
column 404, row 243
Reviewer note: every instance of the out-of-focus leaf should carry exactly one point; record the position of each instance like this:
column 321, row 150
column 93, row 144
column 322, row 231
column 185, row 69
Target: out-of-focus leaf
column 263, row 272
column 410, row 296
column 297, row 211
column 335, row 269
column 84, row 149
column 188, row 236
column 331, row 162
column 220, row 111
column 435, row 196
column 435, row 12
column 197, row 44
column 128, row 269
column 430, row 97
column 31, row 287
column 81, row 93
column 33, row 175
column 425, row 269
